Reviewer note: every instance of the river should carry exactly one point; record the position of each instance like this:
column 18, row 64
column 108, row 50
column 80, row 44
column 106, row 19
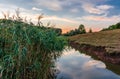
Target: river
column 76, row 65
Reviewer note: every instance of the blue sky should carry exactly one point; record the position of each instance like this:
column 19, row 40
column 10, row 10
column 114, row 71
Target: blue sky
column 67, row 14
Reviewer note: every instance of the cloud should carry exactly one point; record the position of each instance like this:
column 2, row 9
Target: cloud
column 63, row 13
column 74, row 10
column 54, row 5
column 36, row 9
column 105, row 7
column 98, row 22
column 57, row 5
column 75, row 6
column 7, row 9
column 23, row 12
column 93, row 63
column 101, row 18
column 56, row 18
column 99, row 9
column 89, row 8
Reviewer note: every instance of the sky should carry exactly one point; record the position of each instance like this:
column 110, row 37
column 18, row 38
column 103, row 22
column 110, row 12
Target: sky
column 66, row 14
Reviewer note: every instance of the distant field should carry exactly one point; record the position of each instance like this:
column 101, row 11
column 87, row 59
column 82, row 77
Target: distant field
column 109, row 39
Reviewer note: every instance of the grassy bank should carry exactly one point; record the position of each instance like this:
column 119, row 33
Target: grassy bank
column 108, row 39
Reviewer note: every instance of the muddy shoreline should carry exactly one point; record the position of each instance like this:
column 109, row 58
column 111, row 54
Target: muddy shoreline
column 98, row 51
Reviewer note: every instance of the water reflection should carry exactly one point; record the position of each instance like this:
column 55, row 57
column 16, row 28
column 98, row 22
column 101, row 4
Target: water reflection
column 75, row 65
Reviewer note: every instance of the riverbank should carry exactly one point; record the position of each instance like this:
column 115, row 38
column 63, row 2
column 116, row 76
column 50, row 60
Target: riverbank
column 104, row 45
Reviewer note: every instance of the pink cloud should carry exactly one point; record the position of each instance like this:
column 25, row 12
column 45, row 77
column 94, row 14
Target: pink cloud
column 99, row 9
column 105, row 7
column 101, row 18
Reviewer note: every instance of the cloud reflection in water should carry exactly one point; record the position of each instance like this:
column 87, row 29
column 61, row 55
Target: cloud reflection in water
column 75, row 65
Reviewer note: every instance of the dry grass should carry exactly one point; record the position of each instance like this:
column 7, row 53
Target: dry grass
column 109, row 39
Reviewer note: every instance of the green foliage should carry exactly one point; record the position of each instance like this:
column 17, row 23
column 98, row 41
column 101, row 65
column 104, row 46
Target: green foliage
column 80, row 30
column 58, row 31
column 26, row 50
column 112, row 27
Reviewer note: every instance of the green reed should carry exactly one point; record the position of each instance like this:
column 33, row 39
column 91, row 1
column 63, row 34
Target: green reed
column 27, row 51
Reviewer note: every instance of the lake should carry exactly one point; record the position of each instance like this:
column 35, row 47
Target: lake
column 77, row 65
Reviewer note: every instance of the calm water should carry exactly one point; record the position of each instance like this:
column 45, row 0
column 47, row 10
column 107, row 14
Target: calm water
column 75, row 65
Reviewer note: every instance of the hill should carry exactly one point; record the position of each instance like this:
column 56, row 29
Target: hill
column 108, row 39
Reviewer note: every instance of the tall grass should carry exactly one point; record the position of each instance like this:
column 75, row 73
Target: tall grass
column 26, row 51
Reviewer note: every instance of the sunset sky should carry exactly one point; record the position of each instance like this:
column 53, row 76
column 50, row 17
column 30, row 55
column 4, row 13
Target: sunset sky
column 67, row 14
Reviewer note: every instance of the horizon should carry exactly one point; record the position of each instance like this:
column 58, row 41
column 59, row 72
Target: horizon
column 67, row 14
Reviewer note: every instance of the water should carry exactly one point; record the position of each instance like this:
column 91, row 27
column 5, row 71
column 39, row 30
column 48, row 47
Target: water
column 76, row 65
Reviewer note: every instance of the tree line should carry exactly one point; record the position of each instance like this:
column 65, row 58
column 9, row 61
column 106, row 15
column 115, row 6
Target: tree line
column 112, row 27
column 80, row 30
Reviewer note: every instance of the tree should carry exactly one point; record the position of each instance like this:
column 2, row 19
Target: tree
column 79, row 30
column 118, row 25
column 90, row 30
column 82, row 29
